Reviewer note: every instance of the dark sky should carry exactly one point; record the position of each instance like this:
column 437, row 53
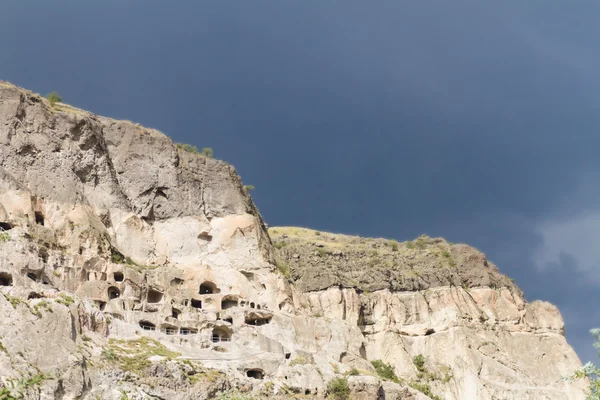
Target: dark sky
column 471, row 120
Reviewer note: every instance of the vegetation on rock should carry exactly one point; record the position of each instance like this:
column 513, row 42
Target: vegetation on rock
column 590, row 371
column 54, row 98
column 338, row 388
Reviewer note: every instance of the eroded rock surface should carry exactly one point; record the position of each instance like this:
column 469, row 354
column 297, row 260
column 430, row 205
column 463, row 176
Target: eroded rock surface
column 131, row 267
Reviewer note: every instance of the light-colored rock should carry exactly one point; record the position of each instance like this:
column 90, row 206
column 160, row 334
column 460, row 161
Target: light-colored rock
column 129, row 266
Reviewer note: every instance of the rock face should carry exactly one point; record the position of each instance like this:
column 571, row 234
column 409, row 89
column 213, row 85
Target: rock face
column 132, row 267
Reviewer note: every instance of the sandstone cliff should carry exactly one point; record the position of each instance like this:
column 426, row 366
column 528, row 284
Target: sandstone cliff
column 131, row 268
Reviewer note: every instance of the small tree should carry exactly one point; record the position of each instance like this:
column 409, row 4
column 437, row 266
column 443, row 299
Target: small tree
column 54, row 98
column 590, row 371
column 207, row 152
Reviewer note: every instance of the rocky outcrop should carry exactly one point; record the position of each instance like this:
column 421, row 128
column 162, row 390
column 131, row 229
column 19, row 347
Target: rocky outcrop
column 130, row 266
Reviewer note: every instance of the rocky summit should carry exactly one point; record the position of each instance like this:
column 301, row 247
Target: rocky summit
column 133, row 268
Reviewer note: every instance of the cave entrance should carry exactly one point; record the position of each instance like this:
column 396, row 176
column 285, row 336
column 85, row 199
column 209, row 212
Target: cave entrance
column 113, row 293
column 6, row 279
column 208, row 288
column 255, row 373
column 39, row 218
column 154, row 296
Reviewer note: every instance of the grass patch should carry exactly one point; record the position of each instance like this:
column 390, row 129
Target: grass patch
column 41, row 306
column 280, row 245
column 65, row 299
column 284, row 269
column 425, row 389
column 14, row 301
column 4, row 237
column 322, row 252
column 420, row 243
column 132, row 355
column 301, row 360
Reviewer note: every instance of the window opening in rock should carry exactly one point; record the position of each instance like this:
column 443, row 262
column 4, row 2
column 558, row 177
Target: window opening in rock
column 208, row 288
column 252, row 305
column 175, row 313
column 39, row 218
column 147, row 326
column 186, row 302
column 176, row 281
column 429, row 331
column 230, row 320
column 188, row 331
column 34, row 295
column 154, row 296
column 288, row 355
column 5, row 226
column 101, row 305
column 6, row 279
column 258, row 306
column 257, row 321
column 118, row 276
column 228, row 302
column 196, row 303
column 255, row 373
column 33, row 276
column 113, row 293
column 171, row 331
column 221, row 335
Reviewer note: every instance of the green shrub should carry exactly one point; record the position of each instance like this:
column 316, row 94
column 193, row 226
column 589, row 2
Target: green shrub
column 65, row 300
column 116, row 257
column 385, row 371
column 322, row 252
column 280, row 245
column 338, row 388
column 207, row 152
column 394, row 245
column 187, row 147
column 425, row 389
column 249, row 188
column 410, row 245
column 590, row 372
column 283, row 269
column 419, row 362
column 4, row 237
column 54, row 98
column 353, row 372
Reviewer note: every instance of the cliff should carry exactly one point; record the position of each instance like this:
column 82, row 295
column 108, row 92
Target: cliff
column 132, row 267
